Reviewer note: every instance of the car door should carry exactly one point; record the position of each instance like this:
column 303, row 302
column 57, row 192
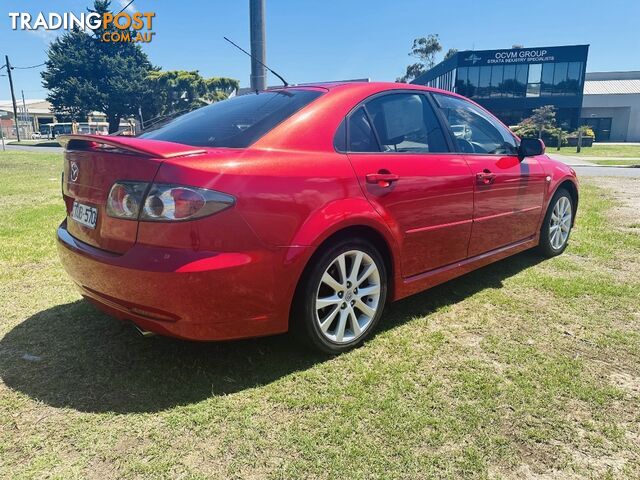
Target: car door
column 403, row 162
column 509, row 191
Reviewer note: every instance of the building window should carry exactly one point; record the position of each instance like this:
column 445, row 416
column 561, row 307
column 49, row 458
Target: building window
column 508, row 81
column 560, row 78
column 484, row 84
column 533, row 80
column 546, row 84
column 497, row 73
column 522, row 71
column 472, row 81
column 574, row 78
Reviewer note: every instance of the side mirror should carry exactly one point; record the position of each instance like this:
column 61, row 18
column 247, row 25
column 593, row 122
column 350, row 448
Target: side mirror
column 530, row 147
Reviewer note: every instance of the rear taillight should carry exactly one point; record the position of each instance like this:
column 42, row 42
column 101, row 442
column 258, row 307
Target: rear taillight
column 162, row 202
column 125, row 199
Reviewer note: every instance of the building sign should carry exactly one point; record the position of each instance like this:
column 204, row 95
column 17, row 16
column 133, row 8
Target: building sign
column 121, row 27
column 521, row 55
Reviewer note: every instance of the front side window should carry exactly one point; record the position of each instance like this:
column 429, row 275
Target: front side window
column 237, row 122
column 474, row 130
column 406, row 122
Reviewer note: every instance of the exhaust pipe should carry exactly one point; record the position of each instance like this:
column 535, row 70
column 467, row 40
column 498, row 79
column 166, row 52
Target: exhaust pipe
column 142, row 332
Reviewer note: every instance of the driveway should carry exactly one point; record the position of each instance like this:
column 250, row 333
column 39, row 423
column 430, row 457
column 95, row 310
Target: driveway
column 30, row 148
column 585, row 168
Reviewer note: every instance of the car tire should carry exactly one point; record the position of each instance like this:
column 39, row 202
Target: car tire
column 340, row 297
column 557, row 224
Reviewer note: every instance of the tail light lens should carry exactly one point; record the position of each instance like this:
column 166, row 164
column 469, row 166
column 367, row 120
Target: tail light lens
column 164, row 202
column 125, row 199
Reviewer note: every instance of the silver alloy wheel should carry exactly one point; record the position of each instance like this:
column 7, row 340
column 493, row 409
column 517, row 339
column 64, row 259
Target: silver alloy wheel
column 348, row 296
column 560, row 224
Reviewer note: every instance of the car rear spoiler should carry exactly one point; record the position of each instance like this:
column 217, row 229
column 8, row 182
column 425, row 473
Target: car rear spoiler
column 141, row 146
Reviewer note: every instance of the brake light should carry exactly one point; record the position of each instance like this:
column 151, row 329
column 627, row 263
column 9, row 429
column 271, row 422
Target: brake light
column 164, row 202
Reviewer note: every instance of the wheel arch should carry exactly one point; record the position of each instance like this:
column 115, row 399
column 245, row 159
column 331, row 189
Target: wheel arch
column 570, row 186
column 354, row 231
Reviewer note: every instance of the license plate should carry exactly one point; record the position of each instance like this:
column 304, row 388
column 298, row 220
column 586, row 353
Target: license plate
column 84, row 214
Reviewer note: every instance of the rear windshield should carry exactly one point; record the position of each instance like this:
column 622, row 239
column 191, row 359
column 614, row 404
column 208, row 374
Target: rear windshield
column 234, row 123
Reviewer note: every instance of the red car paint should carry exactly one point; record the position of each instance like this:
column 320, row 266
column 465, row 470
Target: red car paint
column 234, row 274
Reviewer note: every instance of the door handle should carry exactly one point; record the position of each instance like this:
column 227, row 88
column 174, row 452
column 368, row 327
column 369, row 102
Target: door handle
column 485, row 177
column 382, row 179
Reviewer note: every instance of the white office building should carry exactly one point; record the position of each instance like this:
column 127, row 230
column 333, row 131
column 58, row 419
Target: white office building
column 611, row 105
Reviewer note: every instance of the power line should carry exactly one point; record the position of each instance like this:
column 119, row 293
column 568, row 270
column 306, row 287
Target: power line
column 13, row 67
column 26, row 68
column 125, row 7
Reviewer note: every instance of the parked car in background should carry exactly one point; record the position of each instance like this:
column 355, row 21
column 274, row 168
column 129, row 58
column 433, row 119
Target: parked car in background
column 36, row 136
column 303, row 208
column 462, row 131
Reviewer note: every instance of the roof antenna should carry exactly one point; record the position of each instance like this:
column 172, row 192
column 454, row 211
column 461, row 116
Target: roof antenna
column 286, row 84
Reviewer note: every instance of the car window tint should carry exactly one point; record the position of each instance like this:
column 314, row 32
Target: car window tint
column 235, row 123
column 405, row 122
column 340, row 138
column 361, row 136
column 474, row 130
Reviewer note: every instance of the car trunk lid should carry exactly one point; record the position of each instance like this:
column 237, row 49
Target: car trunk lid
column 92, row 164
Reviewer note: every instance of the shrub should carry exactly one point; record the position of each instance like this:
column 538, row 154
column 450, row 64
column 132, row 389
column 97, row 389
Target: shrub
column 586, row 130
column 549, row 133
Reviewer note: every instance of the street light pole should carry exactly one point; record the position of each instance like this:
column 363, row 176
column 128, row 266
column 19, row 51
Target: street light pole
column 13, row 97
column 258, row 45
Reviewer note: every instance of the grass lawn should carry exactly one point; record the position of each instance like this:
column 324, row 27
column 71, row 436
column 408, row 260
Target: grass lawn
column 524, row 368
column 625, row 151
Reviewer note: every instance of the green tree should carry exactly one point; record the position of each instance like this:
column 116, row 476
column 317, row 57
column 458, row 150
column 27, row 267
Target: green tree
column 177, row 91
column 85, row 74
column 542, row 124
column 450, row 53
column 542, row 117
column 219, row 88
column 425, row 49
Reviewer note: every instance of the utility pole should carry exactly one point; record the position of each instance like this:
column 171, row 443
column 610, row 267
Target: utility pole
column 13, row 97
column 25, row 114
column 258, row 45
column 2, row 135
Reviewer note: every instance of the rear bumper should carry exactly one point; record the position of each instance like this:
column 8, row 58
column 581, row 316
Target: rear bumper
column 184, row 293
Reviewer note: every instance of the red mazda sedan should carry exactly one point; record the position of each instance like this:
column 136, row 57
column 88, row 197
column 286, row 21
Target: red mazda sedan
column 304, row 208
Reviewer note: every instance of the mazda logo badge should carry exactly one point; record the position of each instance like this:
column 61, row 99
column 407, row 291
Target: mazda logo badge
column 75, row 171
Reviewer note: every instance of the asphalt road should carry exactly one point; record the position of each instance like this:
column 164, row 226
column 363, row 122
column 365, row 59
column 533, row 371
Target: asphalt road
column 607, row 172
column 29, row 148
column 582, row 170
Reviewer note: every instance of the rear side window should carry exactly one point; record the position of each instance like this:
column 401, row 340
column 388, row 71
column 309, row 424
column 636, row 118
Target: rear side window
column 234, row 123
column 405, row 122
column 361, row 136
column 474, row 130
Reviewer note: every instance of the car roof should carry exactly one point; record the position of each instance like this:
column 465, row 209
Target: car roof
column 366, row 86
